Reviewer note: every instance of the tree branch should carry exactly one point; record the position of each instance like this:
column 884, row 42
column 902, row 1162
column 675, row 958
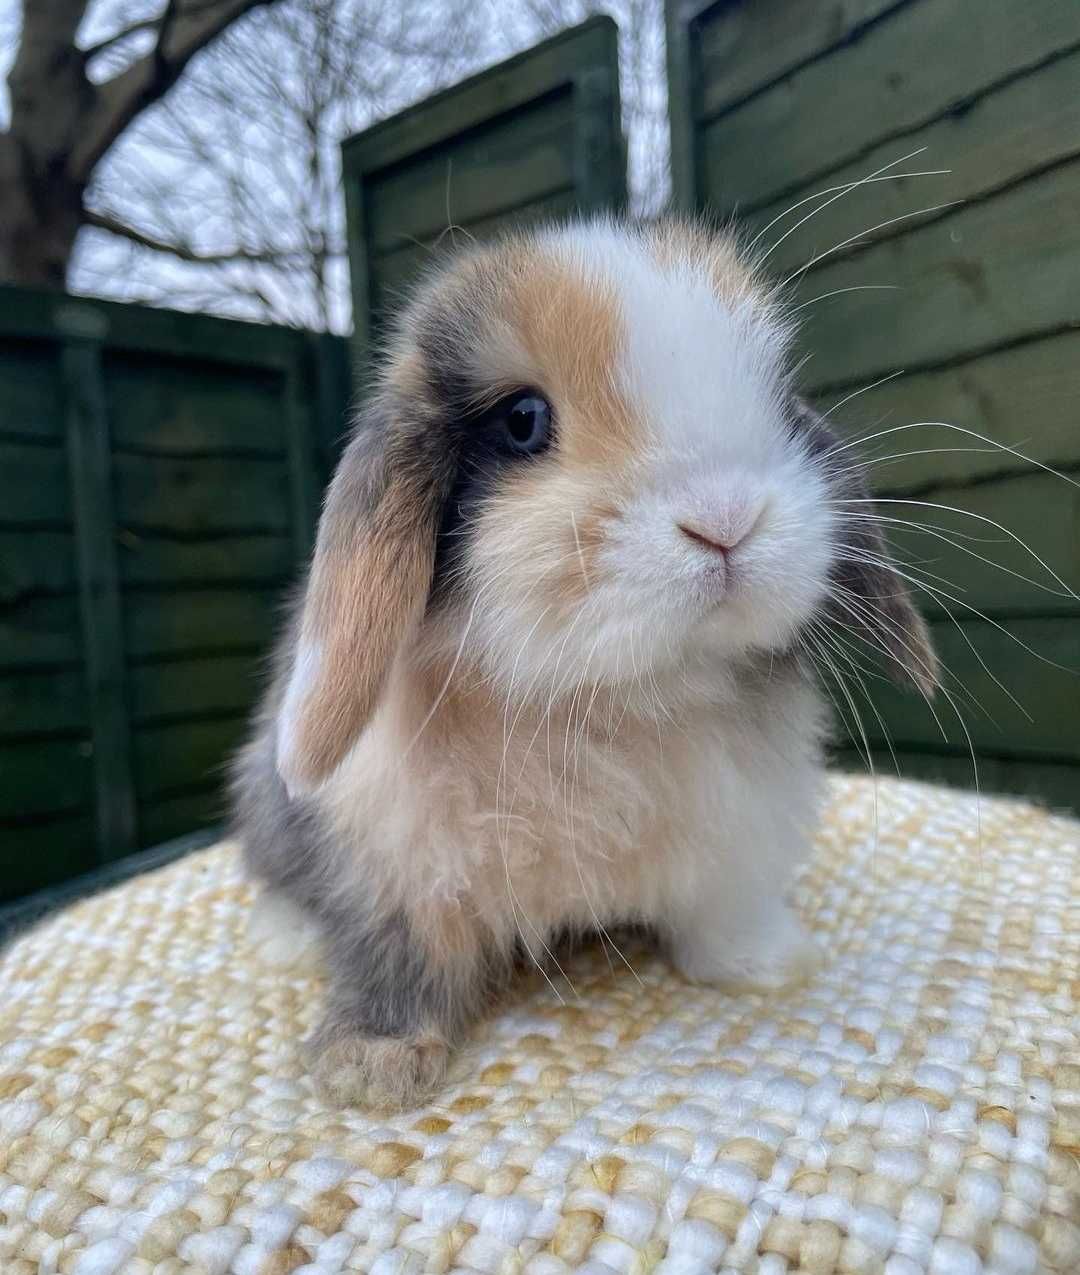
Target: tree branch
column 114, row 226
column 147, row 24
column 182, row 32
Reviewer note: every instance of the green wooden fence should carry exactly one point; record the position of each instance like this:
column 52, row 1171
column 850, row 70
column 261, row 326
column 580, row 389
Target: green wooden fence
column 159, row 479
column 159, row 472
column 977, row 302
column 538, row 136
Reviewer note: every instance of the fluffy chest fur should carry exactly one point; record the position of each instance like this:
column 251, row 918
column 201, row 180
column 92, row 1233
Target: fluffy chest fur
column 506, row 820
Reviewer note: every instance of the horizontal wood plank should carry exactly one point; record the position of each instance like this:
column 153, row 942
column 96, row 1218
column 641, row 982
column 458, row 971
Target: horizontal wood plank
column 31, row 405
column 44, row 777
column 146, row 559
column 175, row 406
column 591, row 45
column 1049, row 696
column 1028, row 124
column 901, row 74
column 40, row 314
column 42, row 630
column 40, row 855
column 34, row 703
column 989, row 274
column 969, row 544
column 742, row 46
column 174, row 816
column 183, row 624
column 508, row 162
column 35, row 562
column 203, row 496
column 172, row 760
column 1025, row 398
column 220, row 684
column 395, row 273
column 35, row 489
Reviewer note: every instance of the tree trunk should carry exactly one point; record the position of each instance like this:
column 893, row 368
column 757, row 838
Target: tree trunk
column 42, row 213
column 62, row 124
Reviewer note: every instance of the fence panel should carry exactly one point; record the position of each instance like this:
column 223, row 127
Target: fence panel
column 159, row 479
column 798, row 119
column 537, row 136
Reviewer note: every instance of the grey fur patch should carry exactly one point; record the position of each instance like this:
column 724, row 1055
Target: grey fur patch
column 864, row 569
column 381, row 981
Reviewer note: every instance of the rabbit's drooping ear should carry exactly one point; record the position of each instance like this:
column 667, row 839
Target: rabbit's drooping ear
column 868, row 593
column 367, row 589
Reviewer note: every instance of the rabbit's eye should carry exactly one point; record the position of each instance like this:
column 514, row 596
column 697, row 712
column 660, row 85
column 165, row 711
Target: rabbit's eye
column 526, row 422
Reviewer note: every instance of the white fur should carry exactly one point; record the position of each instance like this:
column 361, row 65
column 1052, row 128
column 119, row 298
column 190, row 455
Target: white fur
column 305, row 671
column 707, row 379
column 282, row 934
column 628, row 758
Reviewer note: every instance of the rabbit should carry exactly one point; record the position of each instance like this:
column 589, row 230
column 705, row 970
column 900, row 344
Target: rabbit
column 548, row 672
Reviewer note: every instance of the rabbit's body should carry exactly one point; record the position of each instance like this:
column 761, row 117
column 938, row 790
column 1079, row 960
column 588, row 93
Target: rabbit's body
column 552, row 678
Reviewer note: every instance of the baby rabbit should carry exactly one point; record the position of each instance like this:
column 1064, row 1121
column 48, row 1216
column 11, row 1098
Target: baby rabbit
column 549, row 668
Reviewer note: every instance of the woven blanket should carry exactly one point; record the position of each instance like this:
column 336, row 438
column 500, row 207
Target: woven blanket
column 915, row 1110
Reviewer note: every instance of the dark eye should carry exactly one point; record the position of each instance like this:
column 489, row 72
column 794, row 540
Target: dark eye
column 525, row 420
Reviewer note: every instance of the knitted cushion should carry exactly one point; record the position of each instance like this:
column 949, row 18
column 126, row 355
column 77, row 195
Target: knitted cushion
column 915, row 1109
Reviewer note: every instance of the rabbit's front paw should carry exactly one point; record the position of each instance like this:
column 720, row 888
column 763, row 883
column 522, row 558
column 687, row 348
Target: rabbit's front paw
column 354, row 1069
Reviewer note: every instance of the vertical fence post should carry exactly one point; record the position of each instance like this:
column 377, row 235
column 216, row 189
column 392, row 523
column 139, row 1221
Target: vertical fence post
column 82, row 330
column 330, row 356
column 303, row 479
column 599, row 167
column 682, row 102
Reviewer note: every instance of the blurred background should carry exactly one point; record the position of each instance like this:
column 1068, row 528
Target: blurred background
column 209, row 207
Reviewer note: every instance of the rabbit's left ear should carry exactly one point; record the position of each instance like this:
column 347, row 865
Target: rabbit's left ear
column 367, row 590
column 880, row 603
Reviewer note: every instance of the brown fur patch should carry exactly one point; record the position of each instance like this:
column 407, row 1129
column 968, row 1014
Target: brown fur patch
column 369, row 583
column 572, row 329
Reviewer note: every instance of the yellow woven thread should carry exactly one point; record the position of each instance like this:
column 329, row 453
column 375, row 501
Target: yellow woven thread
column 915, row 1110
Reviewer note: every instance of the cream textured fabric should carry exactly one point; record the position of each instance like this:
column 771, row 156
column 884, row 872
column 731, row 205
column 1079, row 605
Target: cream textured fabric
column 915, row 1109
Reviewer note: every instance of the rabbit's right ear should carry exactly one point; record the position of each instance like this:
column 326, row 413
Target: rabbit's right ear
column 368, row 587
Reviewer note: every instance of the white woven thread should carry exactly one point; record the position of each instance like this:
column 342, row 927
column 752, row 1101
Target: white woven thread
column 914, row 1111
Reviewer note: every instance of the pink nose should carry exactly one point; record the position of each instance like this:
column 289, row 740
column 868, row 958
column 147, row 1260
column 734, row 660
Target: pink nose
column 708, row 537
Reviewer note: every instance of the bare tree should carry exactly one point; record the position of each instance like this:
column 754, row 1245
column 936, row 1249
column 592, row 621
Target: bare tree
column 224, row 195
column 63, row 121
column 227, row 196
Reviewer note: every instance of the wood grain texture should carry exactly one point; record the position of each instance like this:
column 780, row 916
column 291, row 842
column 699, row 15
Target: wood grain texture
column 540, row 133
column 178, row 406
column 174, row 759
column 1024, row 397
column 208, row 620
column 743, row 46
column 980, row 544
column 505, row 163
column 989, row 274
column 899, row 75
column 1028, row 124
column 163, row 469
column 1042, row 728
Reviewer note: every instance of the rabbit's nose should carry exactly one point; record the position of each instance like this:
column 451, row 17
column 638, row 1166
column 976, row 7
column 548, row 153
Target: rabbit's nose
column 724, row 531
column 708, row 537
